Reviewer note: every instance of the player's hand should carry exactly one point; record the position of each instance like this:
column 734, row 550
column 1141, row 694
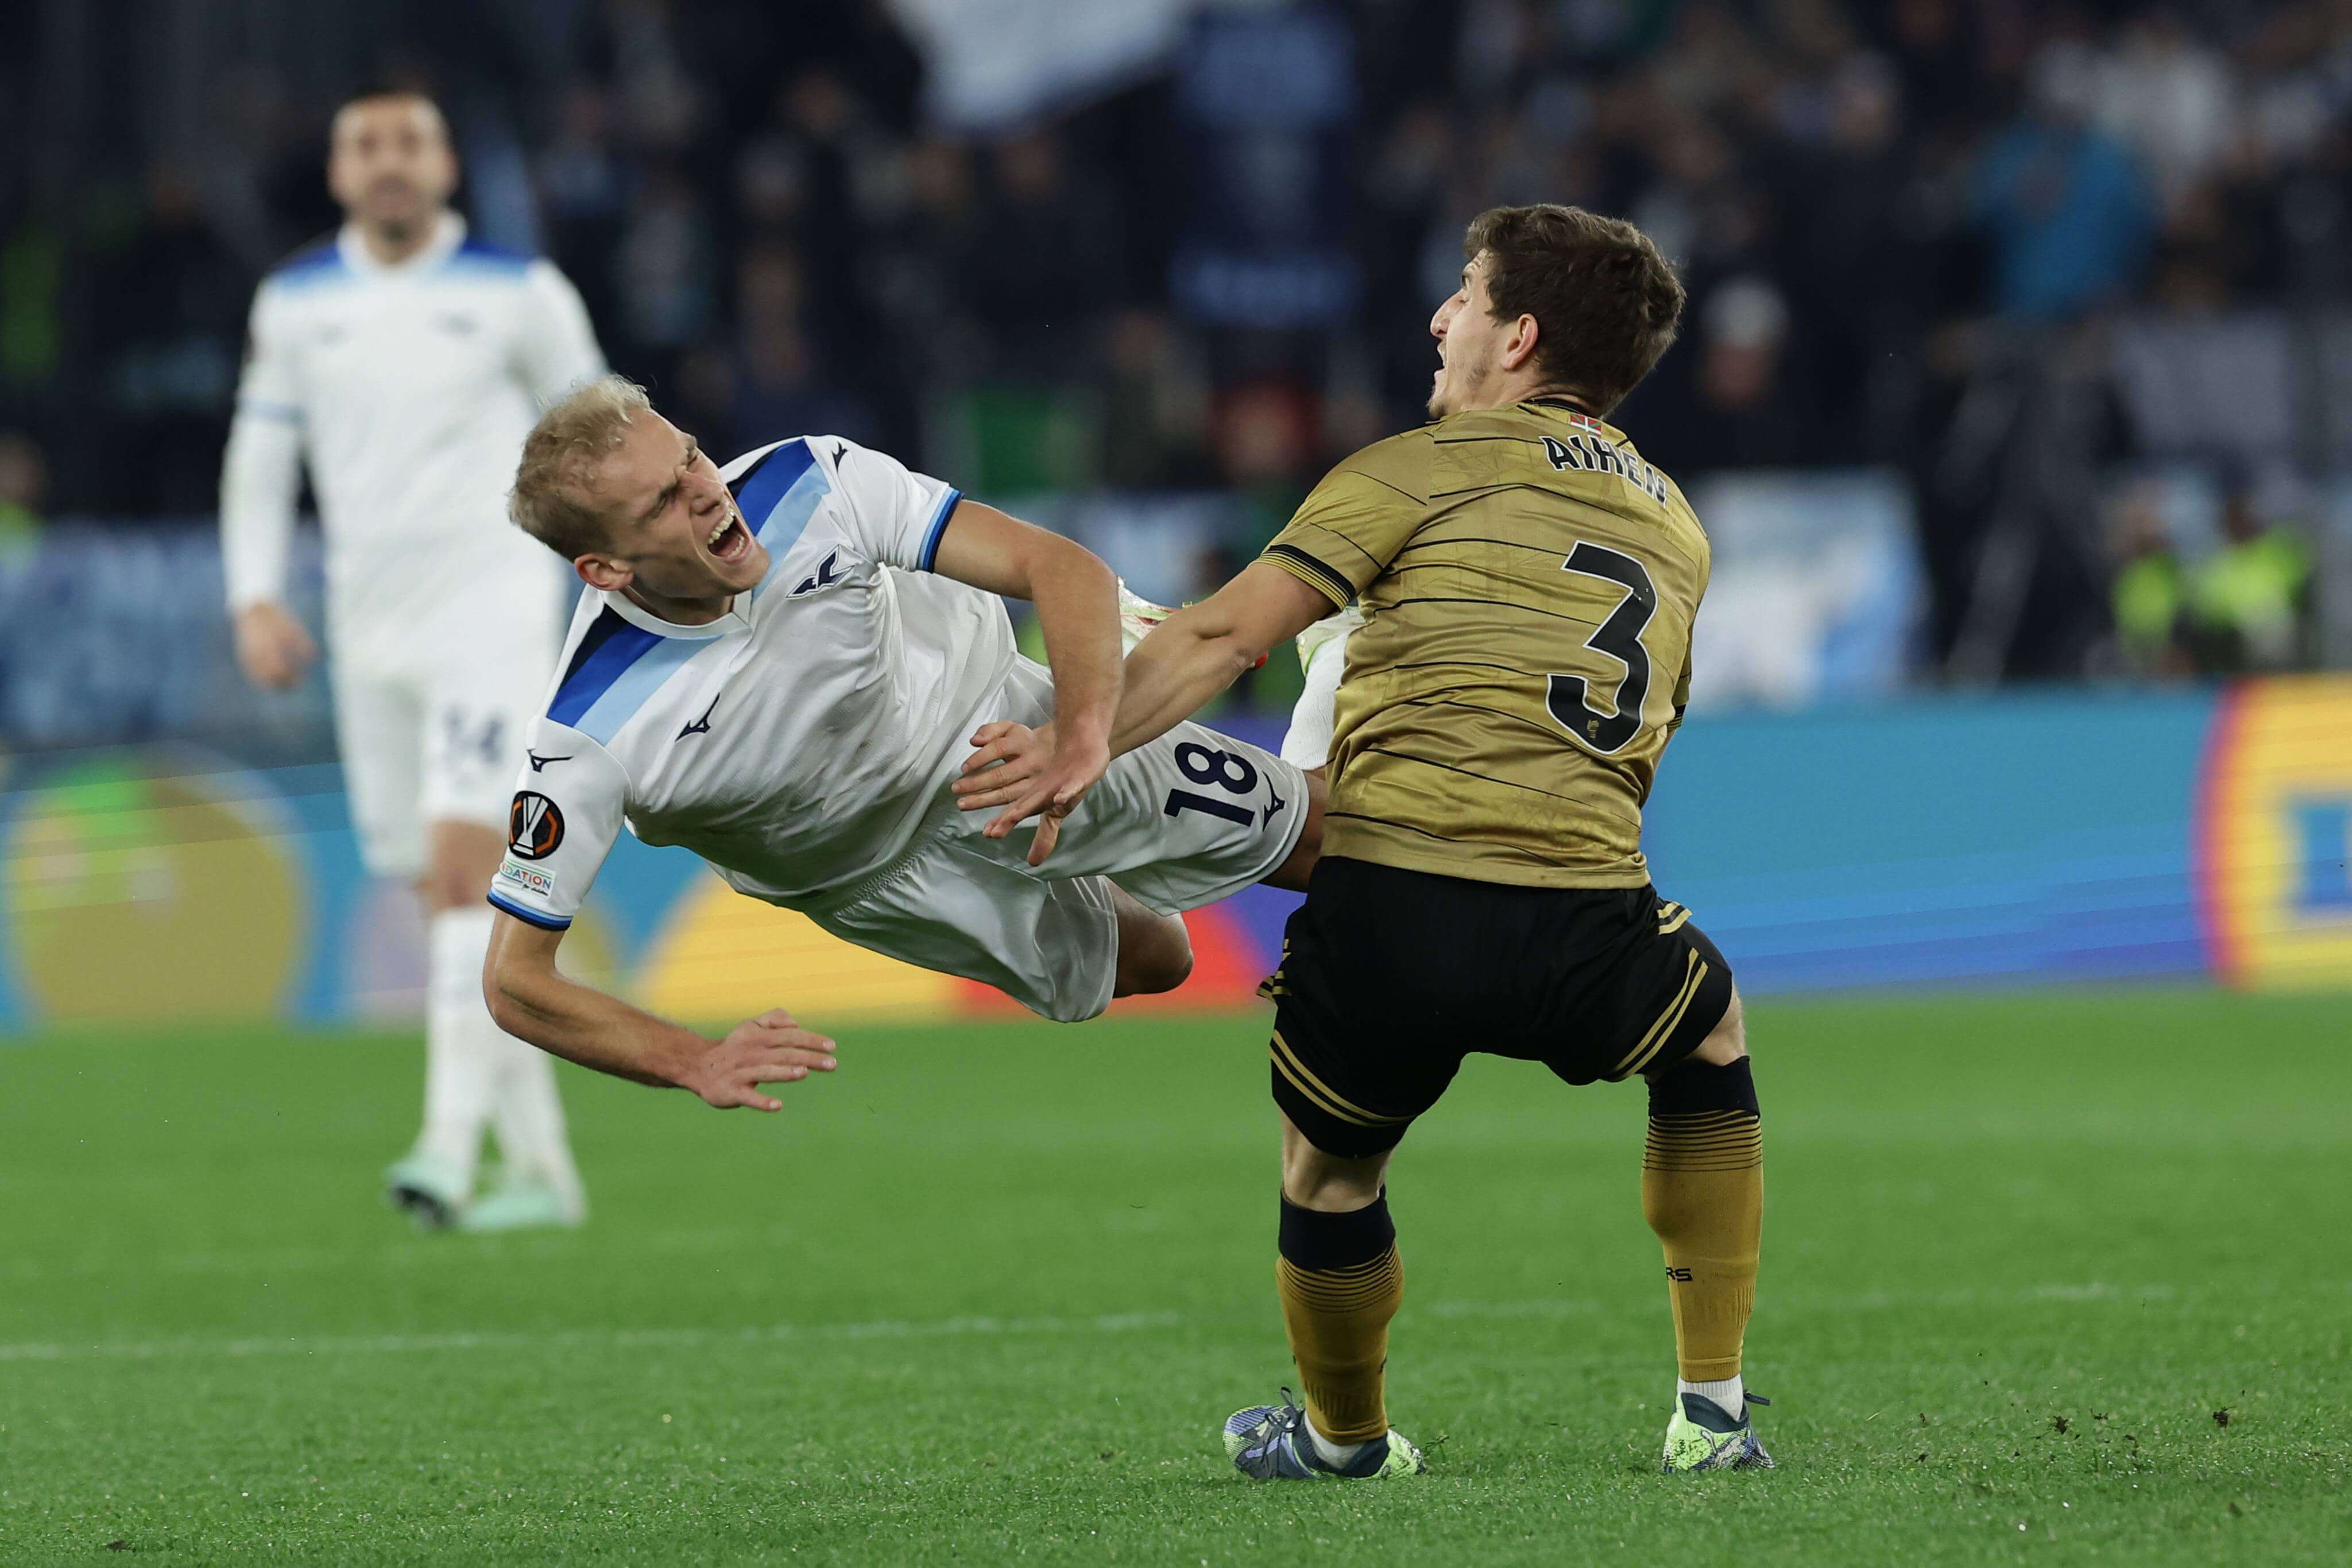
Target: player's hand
column 770, row 1048
column 1031, row 773
column 272, row 646
column 1006, row 757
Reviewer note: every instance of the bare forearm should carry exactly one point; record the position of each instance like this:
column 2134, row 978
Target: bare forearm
column 581, row 1024
column 1188, row 659
column 1076, row 598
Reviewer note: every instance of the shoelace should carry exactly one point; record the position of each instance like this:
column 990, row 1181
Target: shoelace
column 1289, row 1420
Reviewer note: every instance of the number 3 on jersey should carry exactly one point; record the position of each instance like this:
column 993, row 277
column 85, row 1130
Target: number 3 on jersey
column 1619, row 637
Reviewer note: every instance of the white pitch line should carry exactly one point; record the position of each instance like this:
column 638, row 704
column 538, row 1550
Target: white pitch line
column 2059, row 1293
column 509, row 1339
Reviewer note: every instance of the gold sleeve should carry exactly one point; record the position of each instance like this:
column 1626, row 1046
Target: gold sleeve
column 1352, row 524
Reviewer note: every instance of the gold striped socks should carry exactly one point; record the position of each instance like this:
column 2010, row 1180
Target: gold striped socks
column 1703, row 1192
column 1340, row 1281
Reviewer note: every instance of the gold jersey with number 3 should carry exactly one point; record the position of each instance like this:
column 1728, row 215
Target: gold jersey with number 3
column 1529, row 585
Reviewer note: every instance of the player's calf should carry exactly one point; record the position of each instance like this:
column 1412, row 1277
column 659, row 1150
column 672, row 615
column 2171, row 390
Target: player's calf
column 1703, row 1194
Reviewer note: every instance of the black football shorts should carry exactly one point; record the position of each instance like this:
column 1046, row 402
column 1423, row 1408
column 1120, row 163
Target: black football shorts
column 1390, row 977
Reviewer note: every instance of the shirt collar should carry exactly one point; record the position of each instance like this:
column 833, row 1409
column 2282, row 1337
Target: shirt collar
column 737, row 618
column 448, row 233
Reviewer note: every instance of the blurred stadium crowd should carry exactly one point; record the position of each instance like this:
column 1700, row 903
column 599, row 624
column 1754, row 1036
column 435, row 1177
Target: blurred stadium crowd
column 2078, row 272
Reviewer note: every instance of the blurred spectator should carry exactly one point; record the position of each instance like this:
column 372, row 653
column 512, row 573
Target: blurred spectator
column 2167, row 97
column 667, row 258
column 1153, row 406
column 1045, row 259
column 1728, row 402
column 2065, row 202
column 584, row 188
column 175, row 300
column 24, row 481
column 2151, row 589
column 2249, row 601
column 1903, row 225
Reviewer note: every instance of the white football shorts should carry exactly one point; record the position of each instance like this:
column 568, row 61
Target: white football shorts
column 432, row 725
column 1185, row 820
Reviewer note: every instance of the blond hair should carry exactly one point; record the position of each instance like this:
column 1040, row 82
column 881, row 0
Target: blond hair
column 578, row 431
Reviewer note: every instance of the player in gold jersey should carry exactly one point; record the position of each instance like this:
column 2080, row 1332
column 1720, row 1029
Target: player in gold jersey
column 1526, row 585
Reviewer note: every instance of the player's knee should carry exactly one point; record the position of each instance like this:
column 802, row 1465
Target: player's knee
column 1726, row 1042
column 1312, row 1178
column 1155, row 950
column 1159, row 959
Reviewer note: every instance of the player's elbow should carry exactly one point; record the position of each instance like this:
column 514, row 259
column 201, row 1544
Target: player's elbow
column 504, row 992
column 1041, row 559
column 496, row 997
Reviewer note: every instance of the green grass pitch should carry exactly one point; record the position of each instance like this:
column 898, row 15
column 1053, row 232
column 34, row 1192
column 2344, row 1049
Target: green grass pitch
column 986, row 1295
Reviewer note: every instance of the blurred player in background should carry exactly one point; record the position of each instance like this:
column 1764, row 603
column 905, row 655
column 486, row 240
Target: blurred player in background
column 404, row 362
column 1527, row 587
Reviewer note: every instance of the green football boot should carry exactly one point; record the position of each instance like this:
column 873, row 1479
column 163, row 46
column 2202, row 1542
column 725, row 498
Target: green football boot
column 1339, row 623
column 1270, row 1442
column 430, row 1190
column 523, row 1203
column 1702, row 1436
column 1137, row 617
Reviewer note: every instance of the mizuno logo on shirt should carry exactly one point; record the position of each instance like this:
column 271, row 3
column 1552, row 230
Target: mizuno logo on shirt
column 824, row 577
column 702, row 725
column 539, row 764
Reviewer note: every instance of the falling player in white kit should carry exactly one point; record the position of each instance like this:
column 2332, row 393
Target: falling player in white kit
column 406, row 363
column 783, row 666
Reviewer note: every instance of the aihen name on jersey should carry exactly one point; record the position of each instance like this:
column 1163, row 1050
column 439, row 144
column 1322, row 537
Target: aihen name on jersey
column 1528, row 583
column 1596, row 453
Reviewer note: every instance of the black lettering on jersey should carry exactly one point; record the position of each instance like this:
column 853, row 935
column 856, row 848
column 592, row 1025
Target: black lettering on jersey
column 1617, row 638
column 1593, row 455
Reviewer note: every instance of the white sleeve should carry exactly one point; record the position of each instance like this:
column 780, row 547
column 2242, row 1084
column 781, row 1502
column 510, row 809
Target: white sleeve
column 557, row 346
column 261, row 472
column 566, row 817
column 1308, row 742
column 893, row 513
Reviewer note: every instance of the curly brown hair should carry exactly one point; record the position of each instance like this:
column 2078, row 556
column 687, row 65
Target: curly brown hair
column 1606, row 302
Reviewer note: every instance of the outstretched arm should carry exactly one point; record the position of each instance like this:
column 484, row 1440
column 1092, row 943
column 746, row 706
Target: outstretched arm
column 529, row 999
column 1203, row 648
column 1076, row 598
column 1188, row 658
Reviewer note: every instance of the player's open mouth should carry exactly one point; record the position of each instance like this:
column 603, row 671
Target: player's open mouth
column 732, row 541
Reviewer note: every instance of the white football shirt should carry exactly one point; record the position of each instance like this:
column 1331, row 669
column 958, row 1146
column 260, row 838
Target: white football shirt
column 797, row 742
column 408, row 389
